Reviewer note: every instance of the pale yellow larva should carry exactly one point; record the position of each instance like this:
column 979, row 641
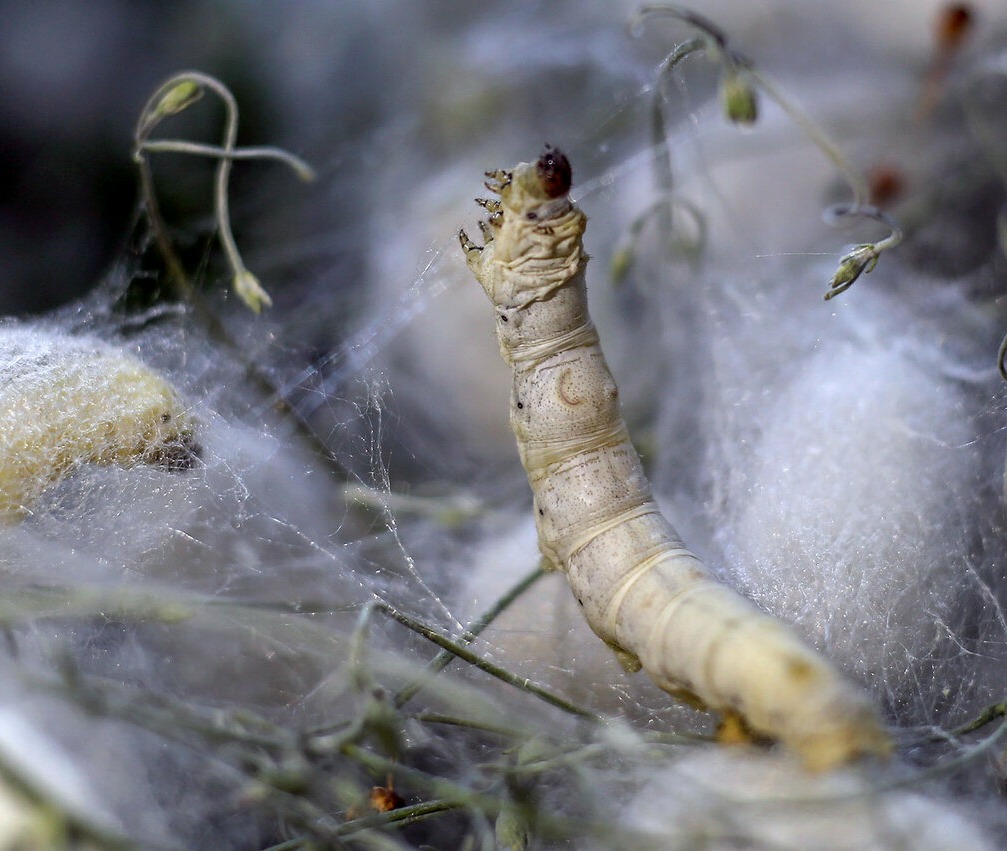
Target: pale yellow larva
column 641, row 590
column 69, row 400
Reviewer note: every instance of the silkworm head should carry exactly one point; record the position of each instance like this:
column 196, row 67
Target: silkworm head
column 538, row 190
column 139, row 418
column 554, row 172
column 953, row 24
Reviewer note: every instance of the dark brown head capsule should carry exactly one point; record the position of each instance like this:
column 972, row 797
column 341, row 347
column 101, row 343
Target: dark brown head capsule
column 953, row 24
column 554, row 171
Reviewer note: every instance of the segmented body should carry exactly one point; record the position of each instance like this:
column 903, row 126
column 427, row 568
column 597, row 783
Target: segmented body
column 641, row 590
column 68, row 400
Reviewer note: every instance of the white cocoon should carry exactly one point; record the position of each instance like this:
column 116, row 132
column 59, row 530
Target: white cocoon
column 720, row 800
column 849, row 522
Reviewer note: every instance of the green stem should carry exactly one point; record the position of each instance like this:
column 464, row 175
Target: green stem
column 443, row 659
column 456, row 649
column 990, row 713
column 399, row 817
column 854, row 179
column 687, row 16
column 265, row 152
column 466, row 723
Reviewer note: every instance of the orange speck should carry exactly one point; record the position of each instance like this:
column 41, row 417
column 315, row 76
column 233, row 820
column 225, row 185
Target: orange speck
column 886, row 184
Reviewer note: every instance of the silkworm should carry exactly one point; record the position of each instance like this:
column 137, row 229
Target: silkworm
column 642, row 592
column 66, row 401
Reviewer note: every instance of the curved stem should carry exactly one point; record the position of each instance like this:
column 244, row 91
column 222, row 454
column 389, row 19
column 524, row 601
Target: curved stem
column 854, row 179
column 171, row 97
column 734, row 62
column 687, row 16
column 864, row 257
column 263, row 152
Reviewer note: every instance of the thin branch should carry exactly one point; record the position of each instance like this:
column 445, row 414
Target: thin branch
column 443, row 659
column 263, row 152
column 463, row 653
column 988, row 715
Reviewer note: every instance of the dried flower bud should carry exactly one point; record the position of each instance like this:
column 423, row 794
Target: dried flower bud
column 250, row 291
column 741, row 105
column 180, row 96
column 622, row 260
column 860, row 261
